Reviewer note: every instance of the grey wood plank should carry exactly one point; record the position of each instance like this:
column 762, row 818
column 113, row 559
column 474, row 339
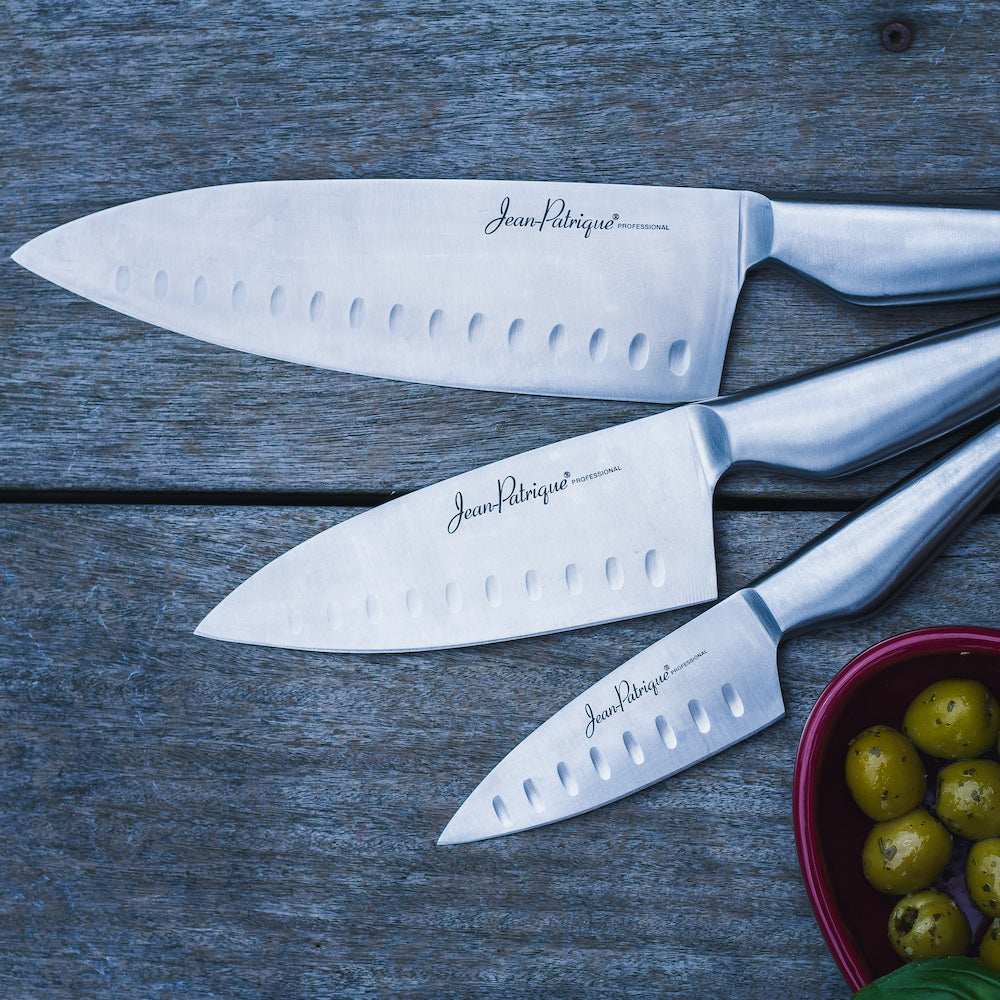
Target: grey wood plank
column 189, row 817
column 111, row 102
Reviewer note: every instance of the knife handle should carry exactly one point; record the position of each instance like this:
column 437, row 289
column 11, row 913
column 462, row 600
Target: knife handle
column 841, row 418
column 866, row 558
column 886, row 254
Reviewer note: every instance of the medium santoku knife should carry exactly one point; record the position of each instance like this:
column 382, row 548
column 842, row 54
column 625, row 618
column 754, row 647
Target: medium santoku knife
column 714, row 681
column 613, row 524
column 595, row 290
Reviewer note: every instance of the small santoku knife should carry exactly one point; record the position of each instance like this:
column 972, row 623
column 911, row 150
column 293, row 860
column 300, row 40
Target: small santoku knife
column 714, row 681
column 600, row 290
column 610, row 525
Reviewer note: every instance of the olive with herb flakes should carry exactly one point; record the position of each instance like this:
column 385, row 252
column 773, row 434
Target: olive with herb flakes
column 953, row 718
column 884, row 773
column 968, row 798
column 982, row 876
column 989, row 947
column 928, row 924
column 907, row 853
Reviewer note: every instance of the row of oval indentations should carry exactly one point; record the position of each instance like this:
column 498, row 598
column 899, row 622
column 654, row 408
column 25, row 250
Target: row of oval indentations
column 665, row 731
column 600, row 762
column 532, row 795
column 598, row 345
column 493, row 588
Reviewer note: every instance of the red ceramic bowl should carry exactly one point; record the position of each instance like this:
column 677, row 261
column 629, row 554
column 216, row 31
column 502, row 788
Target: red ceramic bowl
column 830, row 830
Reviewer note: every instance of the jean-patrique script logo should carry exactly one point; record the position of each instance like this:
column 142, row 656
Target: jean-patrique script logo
column 556, row 214
column 627, row 692
column 509, row 493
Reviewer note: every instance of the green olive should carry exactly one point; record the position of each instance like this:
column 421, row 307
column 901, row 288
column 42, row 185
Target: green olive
column 989, row 947
column 906, row 853
column 928, row 924
column 982, row 876
column 952, row 719
column 884, row 773
column 968, row 798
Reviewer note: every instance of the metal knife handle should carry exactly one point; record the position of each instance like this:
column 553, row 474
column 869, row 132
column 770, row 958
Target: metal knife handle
column 865, row 559
column 889, row 254
column 842, row 418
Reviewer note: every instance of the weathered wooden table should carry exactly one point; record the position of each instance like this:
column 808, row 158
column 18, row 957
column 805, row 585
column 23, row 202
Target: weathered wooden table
column 185, row 818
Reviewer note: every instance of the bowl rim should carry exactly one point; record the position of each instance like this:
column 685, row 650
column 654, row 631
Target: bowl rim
column 808, row 760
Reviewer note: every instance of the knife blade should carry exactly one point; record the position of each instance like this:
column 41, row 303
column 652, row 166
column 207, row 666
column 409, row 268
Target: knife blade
column 715, row 681
column 596, row 290
column 609, row 525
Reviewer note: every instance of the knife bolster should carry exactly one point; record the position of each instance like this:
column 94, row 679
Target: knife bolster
column 841, row 418
column 889, row 254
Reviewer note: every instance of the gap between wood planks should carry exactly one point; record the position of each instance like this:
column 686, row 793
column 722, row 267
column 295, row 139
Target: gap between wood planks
column 362, row 499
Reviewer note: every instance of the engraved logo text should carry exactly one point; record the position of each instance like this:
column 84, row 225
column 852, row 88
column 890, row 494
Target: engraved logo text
column 556, row 214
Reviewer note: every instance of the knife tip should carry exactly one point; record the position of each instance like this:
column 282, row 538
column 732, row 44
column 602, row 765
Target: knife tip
column 18, row 255
column 469, row 825
column 208, row 627
column 453, row 834
column 32, row 256
column 447, row 839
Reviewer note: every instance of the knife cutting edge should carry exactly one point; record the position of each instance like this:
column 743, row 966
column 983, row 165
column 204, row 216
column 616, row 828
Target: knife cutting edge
column 714, row 681
column 597, row 290
column 609, row 525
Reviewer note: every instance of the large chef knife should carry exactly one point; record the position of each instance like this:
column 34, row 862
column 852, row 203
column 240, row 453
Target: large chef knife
column 714, row 681
column 608, row 291
column 609, row 525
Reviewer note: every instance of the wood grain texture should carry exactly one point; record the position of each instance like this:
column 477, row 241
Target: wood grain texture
column 113, row 102
column 187, row 818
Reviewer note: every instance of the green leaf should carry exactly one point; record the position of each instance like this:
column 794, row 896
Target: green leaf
column 936, row 979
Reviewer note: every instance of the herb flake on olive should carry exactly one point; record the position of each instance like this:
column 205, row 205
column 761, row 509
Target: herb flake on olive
column 907, row 853
column 968, row 798
column 953, row 718
column 982, row 876
column 884, row 773
column 928, row 924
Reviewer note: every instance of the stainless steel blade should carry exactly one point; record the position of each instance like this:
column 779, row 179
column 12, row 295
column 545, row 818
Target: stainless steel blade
column 709, row 684
column 609, row 525
column 608, row 291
